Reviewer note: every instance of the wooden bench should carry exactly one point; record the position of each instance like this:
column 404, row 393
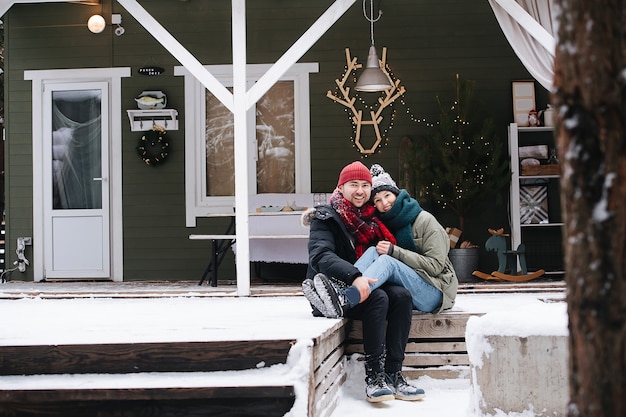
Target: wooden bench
column 436, row 345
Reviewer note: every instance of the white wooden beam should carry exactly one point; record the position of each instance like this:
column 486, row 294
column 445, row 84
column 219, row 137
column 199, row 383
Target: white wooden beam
column 242, row 260
column 179, row 52
column 529, row 23
column 5, row 5
column 298, row 49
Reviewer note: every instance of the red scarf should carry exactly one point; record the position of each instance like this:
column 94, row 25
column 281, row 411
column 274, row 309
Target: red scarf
column 361, row 222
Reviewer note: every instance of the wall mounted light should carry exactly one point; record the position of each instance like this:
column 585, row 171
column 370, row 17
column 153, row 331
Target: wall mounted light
column 372, row 79
column 96, row 23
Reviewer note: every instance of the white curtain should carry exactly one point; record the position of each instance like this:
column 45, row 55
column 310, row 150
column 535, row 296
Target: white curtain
column 534, row 56
column 76, row 149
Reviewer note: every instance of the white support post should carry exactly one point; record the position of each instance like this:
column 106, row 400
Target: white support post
column 242, row 260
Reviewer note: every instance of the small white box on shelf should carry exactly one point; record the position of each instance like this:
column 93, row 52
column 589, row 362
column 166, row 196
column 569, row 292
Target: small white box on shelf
column 536, row 151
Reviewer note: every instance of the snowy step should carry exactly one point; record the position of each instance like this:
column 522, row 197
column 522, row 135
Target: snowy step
column 141, row 337
column 252, row 392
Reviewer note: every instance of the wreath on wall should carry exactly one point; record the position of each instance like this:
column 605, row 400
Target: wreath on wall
column 153, row 146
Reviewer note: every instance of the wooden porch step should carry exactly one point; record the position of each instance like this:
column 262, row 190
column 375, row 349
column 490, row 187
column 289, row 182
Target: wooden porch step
column 144, row 394
column 113, row 402
column 309, row 354
column 138, row 379
column 170, row 378
column 142, row 357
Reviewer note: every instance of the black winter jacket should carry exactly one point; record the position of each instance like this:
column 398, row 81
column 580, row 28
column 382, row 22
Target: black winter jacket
column 331, row 247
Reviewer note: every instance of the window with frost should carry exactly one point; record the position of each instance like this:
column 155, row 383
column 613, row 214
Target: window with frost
column 278, row 140
column 275, row 140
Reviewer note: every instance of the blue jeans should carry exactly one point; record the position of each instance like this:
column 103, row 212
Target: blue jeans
column 385, row 268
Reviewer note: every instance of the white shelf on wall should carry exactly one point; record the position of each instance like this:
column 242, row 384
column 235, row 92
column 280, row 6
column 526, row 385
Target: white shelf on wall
column 142, row 120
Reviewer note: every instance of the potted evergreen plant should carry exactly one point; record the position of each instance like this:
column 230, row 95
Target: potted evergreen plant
column 459, row 163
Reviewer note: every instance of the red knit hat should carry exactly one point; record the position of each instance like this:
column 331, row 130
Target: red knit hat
column 354, row 171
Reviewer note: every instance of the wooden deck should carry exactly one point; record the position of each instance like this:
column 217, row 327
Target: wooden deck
column 74, row 372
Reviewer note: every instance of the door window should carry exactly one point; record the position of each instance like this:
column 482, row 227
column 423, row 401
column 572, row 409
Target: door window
column 76, row 149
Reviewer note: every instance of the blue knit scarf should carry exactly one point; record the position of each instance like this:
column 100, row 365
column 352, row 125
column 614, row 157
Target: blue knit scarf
column 400, row 220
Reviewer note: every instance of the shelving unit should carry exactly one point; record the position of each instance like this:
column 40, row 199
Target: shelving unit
column 141, row 120
column 543, row 240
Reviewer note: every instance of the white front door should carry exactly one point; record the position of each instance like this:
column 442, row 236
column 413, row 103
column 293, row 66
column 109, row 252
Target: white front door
column 76, row 188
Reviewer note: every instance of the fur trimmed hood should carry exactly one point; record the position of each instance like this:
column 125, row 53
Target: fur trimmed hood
column 323, row 212
column 307, row 217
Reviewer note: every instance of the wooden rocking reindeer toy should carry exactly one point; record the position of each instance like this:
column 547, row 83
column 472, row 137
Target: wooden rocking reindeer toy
column 497, row 243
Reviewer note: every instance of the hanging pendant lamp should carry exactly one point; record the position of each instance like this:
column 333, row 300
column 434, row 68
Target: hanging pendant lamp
column 373, row 78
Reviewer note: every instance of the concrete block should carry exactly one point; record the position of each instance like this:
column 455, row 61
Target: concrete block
column 518, row 373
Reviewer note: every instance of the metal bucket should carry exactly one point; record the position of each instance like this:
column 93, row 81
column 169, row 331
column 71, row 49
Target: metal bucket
column 464, row 261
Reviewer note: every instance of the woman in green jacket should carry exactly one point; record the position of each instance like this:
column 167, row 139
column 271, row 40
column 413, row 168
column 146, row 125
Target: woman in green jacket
column 422, row 246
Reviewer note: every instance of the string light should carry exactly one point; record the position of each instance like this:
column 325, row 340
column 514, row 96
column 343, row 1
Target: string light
column 458, row 142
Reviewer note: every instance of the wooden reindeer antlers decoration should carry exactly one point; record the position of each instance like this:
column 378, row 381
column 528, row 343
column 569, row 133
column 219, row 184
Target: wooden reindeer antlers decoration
column 342, row 96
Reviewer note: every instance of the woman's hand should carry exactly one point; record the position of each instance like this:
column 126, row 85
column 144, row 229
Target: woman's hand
column 383, row 247
column 363, row 285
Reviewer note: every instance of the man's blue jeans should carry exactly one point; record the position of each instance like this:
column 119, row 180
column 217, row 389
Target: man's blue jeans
column 385, row 268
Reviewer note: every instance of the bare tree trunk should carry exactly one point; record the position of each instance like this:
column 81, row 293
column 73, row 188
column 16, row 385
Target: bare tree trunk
column 590, row 93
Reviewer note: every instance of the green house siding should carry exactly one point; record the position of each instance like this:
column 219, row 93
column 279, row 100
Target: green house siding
column 428, row 43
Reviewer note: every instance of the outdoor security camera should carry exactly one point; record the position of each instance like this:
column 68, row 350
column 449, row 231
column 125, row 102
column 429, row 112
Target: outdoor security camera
column 119, row 31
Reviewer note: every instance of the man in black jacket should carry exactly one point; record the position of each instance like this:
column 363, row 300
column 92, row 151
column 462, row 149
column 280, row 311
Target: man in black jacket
column 339, row 233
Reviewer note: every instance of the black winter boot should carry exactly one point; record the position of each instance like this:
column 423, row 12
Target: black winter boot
column 376, row 387
column 336, row 295
column 402, row 389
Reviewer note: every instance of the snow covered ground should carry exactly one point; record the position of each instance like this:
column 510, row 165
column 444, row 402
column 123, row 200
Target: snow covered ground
column 34, row 319
column 507, row 314
column 444, row 398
